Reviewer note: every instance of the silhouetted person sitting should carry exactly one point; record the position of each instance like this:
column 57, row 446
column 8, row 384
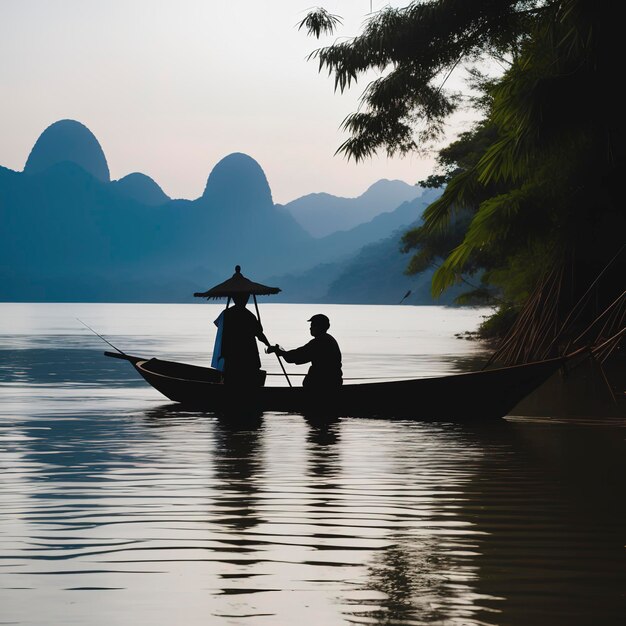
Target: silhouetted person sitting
column 241, row 329
column 322, row 352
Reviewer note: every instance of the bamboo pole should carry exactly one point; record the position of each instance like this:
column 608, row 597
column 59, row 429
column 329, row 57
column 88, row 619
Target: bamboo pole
column 280, row 361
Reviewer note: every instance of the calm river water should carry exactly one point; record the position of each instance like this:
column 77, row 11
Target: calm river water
column 118, row 509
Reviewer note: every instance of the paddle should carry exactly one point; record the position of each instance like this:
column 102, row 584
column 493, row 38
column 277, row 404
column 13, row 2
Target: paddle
column 283, row 368
column 280, row 361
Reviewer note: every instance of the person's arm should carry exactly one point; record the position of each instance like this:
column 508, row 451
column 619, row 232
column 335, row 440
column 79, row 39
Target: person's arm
column 263, row 339
column 300, row 355
column 260, row 335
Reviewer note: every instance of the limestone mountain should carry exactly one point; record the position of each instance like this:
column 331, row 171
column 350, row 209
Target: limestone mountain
column 69, row 233
column 68, row 141
column 238, row 182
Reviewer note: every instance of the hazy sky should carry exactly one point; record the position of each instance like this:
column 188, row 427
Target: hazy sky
column 170, row 87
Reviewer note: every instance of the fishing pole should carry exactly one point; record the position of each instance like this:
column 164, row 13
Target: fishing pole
column 101, row 337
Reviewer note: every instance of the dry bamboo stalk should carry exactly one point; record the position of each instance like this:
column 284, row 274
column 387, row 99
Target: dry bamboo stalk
column 588, row 292
column 621, row 297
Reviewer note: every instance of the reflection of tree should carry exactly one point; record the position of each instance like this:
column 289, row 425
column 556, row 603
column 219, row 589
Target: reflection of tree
column 427, row 573
column 543, row 541
column 409, row 577
column 556, row 525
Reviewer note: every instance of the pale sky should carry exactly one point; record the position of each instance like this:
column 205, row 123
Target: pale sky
column 170, row 87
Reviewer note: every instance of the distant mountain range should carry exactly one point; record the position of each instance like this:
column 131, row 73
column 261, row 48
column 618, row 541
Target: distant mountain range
column 69, row 233
column 322, row 214
column 372, row 275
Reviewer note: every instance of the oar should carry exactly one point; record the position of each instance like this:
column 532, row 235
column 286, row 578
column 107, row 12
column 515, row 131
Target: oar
column 283, row 368
column 280, row 361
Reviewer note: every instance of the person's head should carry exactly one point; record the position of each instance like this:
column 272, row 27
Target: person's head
column 241, row 299
column 319, row 324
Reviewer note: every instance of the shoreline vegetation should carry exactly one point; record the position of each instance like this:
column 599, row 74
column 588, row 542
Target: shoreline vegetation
column 531, row 206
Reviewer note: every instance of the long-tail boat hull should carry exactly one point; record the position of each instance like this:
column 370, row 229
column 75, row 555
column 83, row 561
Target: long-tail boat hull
column 485, row 394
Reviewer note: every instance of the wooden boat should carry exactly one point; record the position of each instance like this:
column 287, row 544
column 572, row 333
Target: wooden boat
column 483, row 394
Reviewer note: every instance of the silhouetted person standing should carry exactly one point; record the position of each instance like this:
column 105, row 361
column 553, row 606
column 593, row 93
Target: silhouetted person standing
column 241, row 329
column 322, row 352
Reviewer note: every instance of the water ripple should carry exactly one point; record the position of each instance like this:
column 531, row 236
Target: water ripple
column 116, row 508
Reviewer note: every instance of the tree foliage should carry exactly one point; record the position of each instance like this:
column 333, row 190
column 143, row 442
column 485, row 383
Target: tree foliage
column 536, row 183
column 415, row 49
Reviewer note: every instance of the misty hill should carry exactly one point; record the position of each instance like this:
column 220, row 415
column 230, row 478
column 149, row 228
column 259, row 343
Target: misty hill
column 235, row 218
column 373, row 275
column 376, row 276
column 68, row 141
column 68, row 236
column 322, row 214
column 70, row 226
column 343, row 243
column 381, row 238
column 309, row 286
column 69, row 233
column 141, row 188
